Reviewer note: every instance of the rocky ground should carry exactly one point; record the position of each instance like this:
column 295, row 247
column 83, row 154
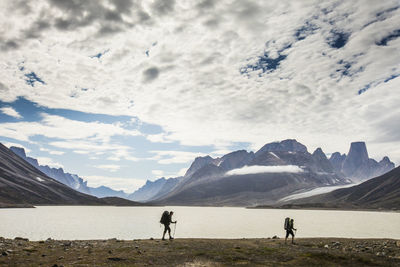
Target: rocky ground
column 201, row 252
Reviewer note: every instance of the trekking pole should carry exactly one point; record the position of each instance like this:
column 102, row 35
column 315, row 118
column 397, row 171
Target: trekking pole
column 174, row 230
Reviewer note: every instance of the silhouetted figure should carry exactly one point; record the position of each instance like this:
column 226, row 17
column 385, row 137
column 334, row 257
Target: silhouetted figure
column 289, row 227
column 166, row 220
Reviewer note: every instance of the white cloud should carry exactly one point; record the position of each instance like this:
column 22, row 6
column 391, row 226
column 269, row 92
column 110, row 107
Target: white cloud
column 52, row 152
column 108, row 167
column 197, row 93
column 49, row 162
column 10, row 112
column 265, row 169
column 157, row 173
column 128, row 185
column 172, row 156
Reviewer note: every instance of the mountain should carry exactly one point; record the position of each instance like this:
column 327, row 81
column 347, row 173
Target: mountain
column 154, row 189
column 104, row 191
column 357, row 165
column 382, row 192
column 71, row 180
column 21, row 184
column 210, row 182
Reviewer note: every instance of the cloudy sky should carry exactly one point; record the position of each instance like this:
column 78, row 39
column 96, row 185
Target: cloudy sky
column 127, row 90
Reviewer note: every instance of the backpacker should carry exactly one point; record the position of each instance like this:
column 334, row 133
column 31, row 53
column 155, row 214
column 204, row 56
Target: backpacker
column 287, row 222
column 164, row 217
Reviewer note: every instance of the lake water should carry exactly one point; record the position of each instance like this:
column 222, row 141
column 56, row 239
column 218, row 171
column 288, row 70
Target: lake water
column 89, row 222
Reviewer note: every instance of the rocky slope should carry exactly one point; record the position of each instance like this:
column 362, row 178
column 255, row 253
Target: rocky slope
column 21, row 184
column 382, row 192
column 71, row 180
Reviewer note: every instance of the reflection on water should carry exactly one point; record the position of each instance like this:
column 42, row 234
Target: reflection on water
column 87, row 222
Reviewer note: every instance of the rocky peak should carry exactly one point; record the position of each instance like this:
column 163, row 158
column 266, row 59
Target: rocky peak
column 19, row 151
column 319, row 153
column 198, row 163
column 357, row 158
column 236, row 159
column 286, row 145
column 337, row 160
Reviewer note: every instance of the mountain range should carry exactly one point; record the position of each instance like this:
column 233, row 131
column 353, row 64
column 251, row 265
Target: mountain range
column 71, row 180
column 382, row 192
column 243, row 178
column 22, row 184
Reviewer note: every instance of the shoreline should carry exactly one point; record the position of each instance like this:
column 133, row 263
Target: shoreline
column 201, row 252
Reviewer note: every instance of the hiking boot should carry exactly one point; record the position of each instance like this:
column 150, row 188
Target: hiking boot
column 171, row 237
column 163, row 238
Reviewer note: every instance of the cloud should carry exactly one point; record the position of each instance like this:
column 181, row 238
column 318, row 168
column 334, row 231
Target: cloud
column 108, row 167
column 157, row 173
column 10, row 112
column 128, row 185
column 172, row 157
column 52, row 152
column 222, row 72
column 49, row 162
column 265, row 169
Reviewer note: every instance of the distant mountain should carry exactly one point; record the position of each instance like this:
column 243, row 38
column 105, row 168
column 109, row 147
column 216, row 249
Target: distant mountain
column 153, row 189
column 357, row 165
column 208, row 181
column 104, row 191
column 71, row 180
column 20, row 183
column 382, row 192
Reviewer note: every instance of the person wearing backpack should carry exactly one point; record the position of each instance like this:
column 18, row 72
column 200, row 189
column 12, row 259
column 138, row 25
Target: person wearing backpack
column 166, row 220
column 289, row 227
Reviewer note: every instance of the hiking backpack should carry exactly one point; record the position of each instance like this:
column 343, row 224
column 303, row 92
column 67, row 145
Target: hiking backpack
column 287, row 222
column 164, row 217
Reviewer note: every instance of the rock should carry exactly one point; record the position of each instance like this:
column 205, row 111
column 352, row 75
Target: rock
column 275, row 237
column 237, row 247
column 112, row 239
column 109, row 252
column 326, row 246
column 41, row 242
column 136, row 247
column 67, row 244
column 54, row 265
column 43, row 255
column 115, row 259
column 29, row 249
column 151, row 238
column 398, row 244
column 4, row 253
column 21, row 239
column 61, row 257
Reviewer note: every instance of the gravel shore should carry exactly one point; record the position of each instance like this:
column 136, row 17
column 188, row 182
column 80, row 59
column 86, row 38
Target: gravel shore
column 201, row 252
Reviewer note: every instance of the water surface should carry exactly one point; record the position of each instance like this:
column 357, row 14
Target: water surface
column 99, row 222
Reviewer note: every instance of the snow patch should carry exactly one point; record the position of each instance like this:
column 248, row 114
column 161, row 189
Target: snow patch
column 39, row 179
column 273, row 154
column 315, row 191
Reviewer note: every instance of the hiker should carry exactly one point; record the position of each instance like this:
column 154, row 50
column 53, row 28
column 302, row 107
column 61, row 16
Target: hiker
column 166, row 220
column 289, row 227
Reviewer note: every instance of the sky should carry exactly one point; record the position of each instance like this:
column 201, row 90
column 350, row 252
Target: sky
column 127, row 90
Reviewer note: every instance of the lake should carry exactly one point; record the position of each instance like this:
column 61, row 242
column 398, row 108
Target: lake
column 99, row 222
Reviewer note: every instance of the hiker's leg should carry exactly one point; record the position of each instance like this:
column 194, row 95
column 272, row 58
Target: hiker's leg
column 287, row 235
column 291, row 232
column 169, row 231
column 165, row 230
